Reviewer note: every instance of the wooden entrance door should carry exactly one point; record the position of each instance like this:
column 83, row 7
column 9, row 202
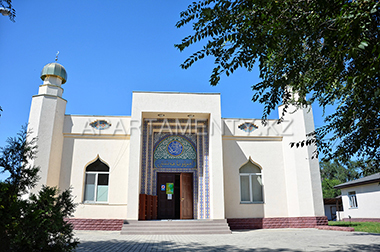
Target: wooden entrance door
column 166, row 206
column 186, row 192
column 180, row 205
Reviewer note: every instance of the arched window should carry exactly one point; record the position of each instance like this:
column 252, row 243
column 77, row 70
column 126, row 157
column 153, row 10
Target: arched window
column 251, row 185
column 96, row 184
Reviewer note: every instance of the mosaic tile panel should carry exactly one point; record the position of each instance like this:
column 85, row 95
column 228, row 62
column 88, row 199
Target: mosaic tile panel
column 248, row 127
column 166, row 148
column 207, row 175
column 201, row 178
column 143, row 163
column 158, row 136
column 156, row 141
column 100, row 124
column 149, row 166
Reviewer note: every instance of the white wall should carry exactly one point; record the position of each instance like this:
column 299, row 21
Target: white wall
column 291, row 179
column 302, row 175
column 177, row 104
column 368, row 199
column 264, row 147
column 81, row 147
column 45, row 124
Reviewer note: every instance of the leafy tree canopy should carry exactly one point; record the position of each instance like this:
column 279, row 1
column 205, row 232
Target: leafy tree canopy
column 37, row 223
column 335, row 172
column 327, row 51
column 328, row 190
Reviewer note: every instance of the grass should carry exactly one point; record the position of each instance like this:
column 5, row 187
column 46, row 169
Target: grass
column 370, row 227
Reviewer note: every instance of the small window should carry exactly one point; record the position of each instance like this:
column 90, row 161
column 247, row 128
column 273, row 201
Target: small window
column 251, row 184
column 248, row 127
column 352, row 199
column 96, row 182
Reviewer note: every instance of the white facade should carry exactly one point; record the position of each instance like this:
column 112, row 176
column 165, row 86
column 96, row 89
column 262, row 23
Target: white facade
column 362, row 201
column 217, row 152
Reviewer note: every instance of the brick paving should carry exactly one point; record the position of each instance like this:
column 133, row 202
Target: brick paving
column 264, row 240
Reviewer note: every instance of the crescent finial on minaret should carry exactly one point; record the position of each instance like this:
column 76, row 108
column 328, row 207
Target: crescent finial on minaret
column 56, row 56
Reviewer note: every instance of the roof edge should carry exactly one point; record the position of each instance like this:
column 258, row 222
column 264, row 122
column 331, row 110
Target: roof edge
column 344, row 185
column 173, row 92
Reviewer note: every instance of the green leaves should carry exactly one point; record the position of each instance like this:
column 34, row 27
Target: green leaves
column 326, row 51
column 37, row 223
column 363, row 45
column 335, row 172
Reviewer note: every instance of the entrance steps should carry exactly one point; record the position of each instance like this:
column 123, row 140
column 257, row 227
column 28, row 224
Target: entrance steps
column 175, row 227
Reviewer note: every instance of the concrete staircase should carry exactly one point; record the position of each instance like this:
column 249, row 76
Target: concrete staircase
column 175, row 227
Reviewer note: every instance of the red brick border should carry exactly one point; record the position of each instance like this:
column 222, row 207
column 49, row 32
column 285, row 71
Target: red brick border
column 362, row 219
column 281, row 222
column 240, row 223
column 97, row 224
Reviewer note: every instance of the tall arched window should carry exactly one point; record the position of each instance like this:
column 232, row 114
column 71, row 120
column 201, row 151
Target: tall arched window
column 251, row 185
column 96, row 183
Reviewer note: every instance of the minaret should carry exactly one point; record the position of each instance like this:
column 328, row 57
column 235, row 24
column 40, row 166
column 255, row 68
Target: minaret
column 46, row 123
column 302, row 174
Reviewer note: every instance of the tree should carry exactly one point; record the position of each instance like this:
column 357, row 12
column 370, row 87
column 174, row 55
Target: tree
column 328, row 190
column 335, row 172
column 37, row 223
column 7, row 5
column 326, row 51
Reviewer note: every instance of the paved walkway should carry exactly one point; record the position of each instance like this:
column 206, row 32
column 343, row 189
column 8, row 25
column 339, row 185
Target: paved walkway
column 264, row 240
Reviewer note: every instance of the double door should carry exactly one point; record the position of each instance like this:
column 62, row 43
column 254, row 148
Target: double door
column 179, row 203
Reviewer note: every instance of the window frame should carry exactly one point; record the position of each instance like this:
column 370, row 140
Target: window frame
column 352, row 204
column 250, row 188
column 95, row 187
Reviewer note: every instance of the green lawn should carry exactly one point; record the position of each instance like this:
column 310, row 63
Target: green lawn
column 370, row 227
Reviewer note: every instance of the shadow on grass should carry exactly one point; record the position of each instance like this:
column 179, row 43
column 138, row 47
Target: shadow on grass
column 118, row 245
column 345, row 224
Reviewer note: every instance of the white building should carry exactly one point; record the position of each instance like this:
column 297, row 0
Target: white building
column 361, row 199
column 224, row 168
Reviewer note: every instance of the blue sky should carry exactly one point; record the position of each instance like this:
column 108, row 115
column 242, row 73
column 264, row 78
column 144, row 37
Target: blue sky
column 109, row 49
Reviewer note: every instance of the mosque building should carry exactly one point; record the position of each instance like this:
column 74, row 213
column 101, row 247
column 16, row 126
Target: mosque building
column 175, row 157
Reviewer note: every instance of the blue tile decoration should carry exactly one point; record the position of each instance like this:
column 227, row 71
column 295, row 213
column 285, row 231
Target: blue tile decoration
column 194, row 146
column 182, row 157
column 207, row 175
column 149, row 167
column 248, row 127
column 100, row 124
column 201, row 176
column 143, row 163
column 175, row 148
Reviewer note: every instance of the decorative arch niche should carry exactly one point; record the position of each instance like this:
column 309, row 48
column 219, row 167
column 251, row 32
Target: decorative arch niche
column 96, row 181
column 251, row 166
column 251, row 183
column 174, row 151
